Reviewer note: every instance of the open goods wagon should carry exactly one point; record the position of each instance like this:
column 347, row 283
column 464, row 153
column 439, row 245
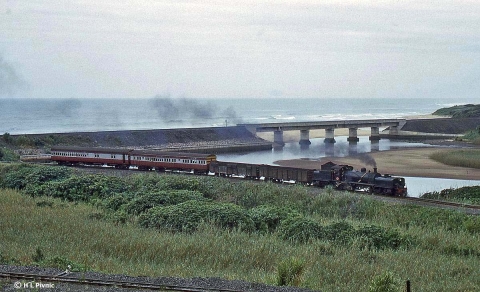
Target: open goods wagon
column 258, row 171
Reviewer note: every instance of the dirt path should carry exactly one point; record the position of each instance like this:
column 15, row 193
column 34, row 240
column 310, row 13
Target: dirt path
column 403, row 162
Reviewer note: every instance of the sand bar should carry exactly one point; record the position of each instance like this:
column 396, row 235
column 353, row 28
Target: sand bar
column 403, row 162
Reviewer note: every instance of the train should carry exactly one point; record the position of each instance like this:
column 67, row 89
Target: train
column 342, row 177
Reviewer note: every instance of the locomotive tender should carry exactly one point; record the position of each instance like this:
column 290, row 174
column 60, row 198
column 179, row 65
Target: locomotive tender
column 339, row 176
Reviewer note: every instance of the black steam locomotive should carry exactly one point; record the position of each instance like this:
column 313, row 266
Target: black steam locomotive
column 344, row 177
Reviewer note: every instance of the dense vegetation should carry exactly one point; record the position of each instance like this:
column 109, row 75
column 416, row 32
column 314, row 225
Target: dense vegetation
column 188, row 226
column 466, row 195
column 460, row 111
column 473, row 136
column 44, row 140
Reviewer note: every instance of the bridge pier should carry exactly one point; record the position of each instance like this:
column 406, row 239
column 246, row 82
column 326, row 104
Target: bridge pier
column 305, row 137
column 393, row 130
column 375, row 134
column 352, row 135
column 329, row 135
column 278, row 137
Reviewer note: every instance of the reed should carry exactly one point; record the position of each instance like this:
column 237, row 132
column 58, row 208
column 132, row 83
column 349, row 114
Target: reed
column 464, row 157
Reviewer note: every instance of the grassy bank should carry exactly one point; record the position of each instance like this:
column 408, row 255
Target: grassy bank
column 437, row 250
column 463, row 157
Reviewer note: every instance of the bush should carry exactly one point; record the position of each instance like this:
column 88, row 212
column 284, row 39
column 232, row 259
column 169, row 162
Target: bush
column 377, row 237
column 300, row 229
column 187, row 216
column 147, row 201
column 289, row 272
column 8, row 155
column 116, row 202
column 384, row 283
column 23, row 175
column 268, row 218
column 80, row 188
column 340, row 232
column 64, row 264
column 464, row 194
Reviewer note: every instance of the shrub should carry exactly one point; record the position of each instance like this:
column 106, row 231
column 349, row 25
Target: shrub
column 188, row 215
column 15, row 176
column 21, row 176
column 289, row 272
column 63, row 263
column 268, row 218
column 115, row 202
column 463, row 194
column 8, row 155
column 384, row 283
column 377, row 237
column 340, row 232
column 144, row 202
column 80, row 188
column 300, row 229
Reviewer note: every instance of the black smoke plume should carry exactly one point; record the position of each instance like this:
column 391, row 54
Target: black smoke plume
column 186, row 109
column 367, row 159
column 10, row 80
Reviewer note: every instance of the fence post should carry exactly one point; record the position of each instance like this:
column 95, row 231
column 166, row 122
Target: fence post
column 408, row 286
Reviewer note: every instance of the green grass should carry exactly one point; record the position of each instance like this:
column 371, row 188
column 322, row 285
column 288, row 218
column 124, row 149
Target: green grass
column 464, row 157
column 441, row 259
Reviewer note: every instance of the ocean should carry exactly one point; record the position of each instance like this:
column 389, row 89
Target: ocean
column 33, row 116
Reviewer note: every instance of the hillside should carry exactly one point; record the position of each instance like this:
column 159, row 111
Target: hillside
column 460, row 111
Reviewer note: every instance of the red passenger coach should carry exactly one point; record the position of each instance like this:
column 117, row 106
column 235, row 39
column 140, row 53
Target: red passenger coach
column 160, row 161
column 67, row 155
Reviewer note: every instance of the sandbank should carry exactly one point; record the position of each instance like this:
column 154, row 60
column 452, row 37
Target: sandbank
column 403, row 162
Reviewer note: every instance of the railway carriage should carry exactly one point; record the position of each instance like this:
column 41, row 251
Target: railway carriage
column 66, row 155
column 161, row 161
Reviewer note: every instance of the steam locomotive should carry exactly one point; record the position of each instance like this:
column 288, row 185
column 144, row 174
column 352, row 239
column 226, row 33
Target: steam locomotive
column 342, row 177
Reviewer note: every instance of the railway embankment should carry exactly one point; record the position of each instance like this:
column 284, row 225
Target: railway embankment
column 211, row 140
column 442, row 125
column 438, row 128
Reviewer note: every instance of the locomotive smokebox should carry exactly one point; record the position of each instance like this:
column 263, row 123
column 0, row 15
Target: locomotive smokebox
column 375, row 170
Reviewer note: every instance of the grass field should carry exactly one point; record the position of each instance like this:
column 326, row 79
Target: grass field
column 461, row 157
column 443, row 256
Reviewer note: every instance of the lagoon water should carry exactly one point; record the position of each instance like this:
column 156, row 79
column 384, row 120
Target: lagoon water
column 57, row 115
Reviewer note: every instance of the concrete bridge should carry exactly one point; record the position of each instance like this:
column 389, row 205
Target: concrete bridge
column 329, row 126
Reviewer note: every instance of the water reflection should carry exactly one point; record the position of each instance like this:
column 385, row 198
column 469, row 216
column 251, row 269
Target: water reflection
column 317, row 150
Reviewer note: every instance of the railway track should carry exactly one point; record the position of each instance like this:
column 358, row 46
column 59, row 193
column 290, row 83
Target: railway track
column 443, row 203
column 29, row 281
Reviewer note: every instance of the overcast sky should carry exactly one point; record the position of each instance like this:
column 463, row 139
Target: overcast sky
column 238, row 49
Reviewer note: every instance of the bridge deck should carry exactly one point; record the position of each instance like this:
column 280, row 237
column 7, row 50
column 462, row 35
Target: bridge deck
column 290, row 126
